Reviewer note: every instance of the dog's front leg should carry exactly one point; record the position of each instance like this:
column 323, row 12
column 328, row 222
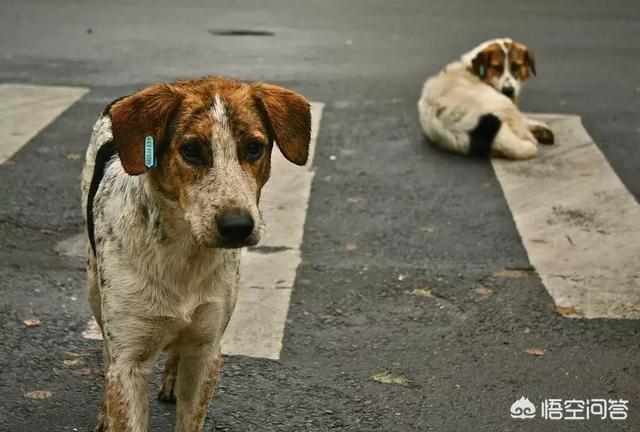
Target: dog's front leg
column 198, row 372
column 127, row 401
column 134, row 344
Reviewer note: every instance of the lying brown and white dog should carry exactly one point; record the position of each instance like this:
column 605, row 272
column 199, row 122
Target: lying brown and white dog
column 170, row 191
column 471, row 105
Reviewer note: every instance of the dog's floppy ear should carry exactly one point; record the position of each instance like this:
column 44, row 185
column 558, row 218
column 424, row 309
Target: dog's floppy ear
column 481, row 62
column 289, row 117
column 529, row 60
column 522, row 53
column 136, row 117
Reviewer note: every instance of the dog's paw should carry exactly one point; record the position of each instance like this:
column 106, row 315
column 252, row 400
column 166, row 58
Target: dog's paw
column 167, row 393
column 102, row 425
column 542, row 134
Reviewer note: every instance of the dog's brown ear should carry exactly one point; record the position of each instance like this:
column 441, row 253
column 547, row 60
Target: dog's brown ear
column 480, row 63
column 289, row 118
column 134, row 118
column 529, row 60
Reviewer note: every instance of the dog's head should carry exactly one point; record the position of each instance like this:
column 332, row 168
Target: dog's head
column 212, row 138
column 503, row 64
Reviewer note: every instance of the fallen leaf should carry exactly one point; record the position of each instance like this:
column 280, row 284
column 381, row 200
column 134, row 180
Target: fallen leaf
column 387, row 378
column 73, row 156
column 585, row 174
column 72, row 362
column 401, row 277
column 485, row 184
column 513, row 273
column 38, row 394
column 47, row 231
column 355, row 200
column 527, row 330
column 421, row 292
column 565, row 310
column 427, row 229
column 83, row 371
column 484, row 292
column 351, row 247
column 535, row 351
column 76, row 355
column 32, row 322
column 537, row 240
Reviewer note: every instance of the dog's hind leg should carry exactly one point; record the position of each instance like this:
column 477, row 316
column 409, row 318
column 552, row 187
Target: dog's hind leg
column 509, row 145
column 168, row 388
column 540, row 131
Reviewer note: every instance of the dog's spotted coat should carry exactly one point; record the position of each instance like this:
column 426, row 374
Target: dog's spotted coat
column 163, row 257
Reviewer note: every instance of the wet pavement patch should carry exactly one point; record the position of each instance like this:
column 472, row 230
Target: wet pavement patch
column 268, row 249
column 240, row 32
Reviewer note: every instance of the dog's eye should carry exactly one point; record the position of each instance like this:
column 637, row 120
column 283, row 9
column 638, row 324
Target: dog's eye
column 254, row 150
column 514, row 66
column 192, row 153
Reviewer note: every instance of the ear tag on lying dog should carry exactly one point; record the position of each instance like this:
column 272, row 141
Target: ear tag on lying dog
column 149, row 155
column 481, row 71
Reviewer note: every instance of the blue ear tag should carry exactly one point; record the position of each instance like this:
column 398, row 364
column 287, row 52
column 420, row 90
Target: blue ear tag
column 481, row 71
column 149, row 155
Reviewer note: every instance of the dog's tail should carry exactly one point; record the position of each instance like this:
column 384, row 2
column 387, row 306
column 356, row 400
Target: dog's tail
column 482, row 136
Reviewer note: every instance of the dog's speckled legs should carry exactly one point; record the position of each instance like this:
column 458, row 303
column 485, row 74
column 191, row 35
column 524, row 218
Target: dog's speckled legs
column 197, row 379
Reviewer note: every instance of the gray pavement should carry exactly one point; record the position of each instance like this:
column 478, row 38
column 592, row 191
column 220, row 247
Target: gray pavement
column 421, row 219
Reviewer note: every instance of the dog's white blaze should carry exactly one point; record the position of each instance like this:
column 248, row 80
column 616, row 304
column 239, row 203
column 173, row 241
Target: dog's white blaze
column 221, row 132
column 27, row 109
column 219, row 113
column 267, row 274
column 578, row 223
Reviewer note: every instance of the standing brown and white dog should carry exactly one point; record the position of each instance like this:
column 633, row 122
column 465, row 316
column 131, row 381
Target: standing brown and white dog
column 471, row 105
column 170, row 191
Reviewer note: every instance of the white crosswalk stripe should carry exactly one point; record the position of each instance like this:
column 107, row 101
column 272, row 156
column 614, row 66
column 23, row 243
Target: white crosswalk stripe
column 27, row 109
column 578, row 223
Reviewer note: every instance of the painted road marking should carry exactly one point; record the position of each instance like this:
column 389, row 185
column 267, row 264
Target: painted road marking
column 27, row 109
column 578, row 222
column 267, row 272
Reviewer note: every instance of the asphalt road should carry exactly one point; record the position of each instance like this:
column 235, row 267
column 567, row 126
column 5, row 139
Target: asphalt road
column 421, row 219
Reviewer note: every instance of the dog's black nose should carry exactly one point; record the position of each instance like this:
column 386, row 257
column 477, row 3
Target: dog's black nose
column 234, row 227
column 508, row 91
